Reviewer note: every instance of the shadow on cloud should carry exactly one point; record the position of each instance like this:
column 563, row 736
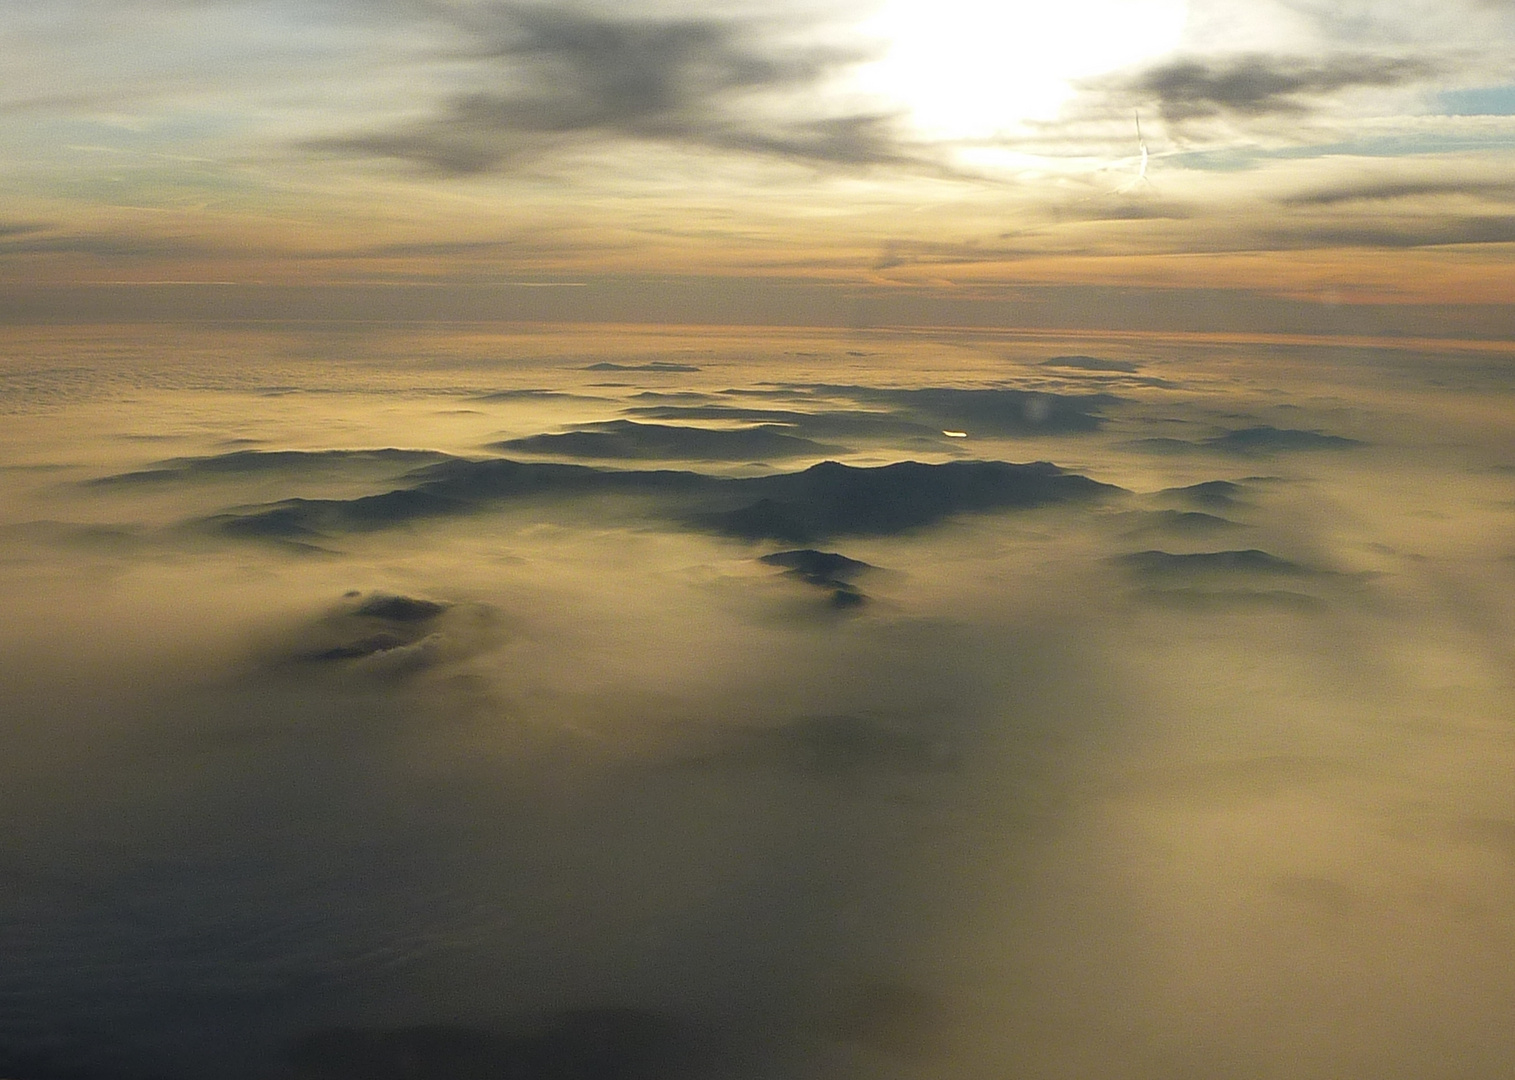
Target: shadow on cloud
column 1210, row 494
column 250, row 463
column 381, row 634
column 825, row 570
column 828, row 499
column 617, row 439
column 984, row 411
column 1229, row 579
column 1180, row 523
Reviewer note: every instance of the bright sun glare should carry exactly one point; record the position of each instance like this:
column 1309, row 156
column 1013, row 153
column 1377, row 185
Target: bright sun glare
column 969, row 69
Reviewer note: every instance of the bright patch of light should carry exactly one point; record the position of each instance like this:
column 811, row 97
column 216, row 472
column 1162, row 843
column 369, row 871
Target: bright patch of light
column 975, row 68
column 955, row 434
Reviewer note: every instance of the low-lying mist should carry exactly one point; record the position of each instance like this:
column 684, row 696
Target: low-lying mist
column 365, row 720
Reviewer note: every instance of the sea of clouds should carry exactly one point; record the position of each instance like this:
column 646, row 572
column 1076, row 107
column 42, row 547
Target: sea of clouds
column 753, row 704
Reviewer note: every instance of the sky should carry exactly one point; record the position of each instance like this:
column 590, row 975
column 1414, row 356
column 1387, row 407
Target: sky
column 1263, row 167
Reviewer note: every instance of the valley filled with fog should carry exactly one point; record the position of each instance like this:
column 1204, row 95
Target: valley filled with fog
column 762, row 703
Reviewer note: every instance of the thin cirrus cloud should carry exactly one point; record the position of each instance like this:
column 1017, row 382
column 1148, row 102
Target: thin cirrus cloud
column 562, row 78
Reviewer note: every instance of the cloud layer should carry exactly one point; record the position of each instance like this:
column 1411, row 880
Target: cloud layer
column 905, row 764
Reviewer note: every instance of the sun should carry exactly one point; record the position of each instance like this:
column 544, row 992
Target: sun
column 974, row 69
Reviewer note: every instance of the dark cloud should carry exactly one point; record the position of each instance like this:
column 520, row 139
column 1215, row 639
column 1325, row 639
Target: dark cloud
column 1182, row 523
column 820, row 567
column 1212, row 494
column 1248, row 561
column 846, row 596
column 1221, row 580
column 825, row 570
column 824, row 500
column 579, row 77
column 303, row 521
column 243, row 463
column 837, row 500
column 399, row 609
column 622, row 439
column 380, row 640
column 367, row 624
column 1257, row 85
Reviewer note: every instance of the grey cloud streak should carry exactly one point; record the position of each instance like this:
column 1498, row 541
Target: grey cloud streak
column 1389, row 190
column 38, row 240
column 1257, row 85
column 20, row 228
column 1433, row 232
column 571, row 77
